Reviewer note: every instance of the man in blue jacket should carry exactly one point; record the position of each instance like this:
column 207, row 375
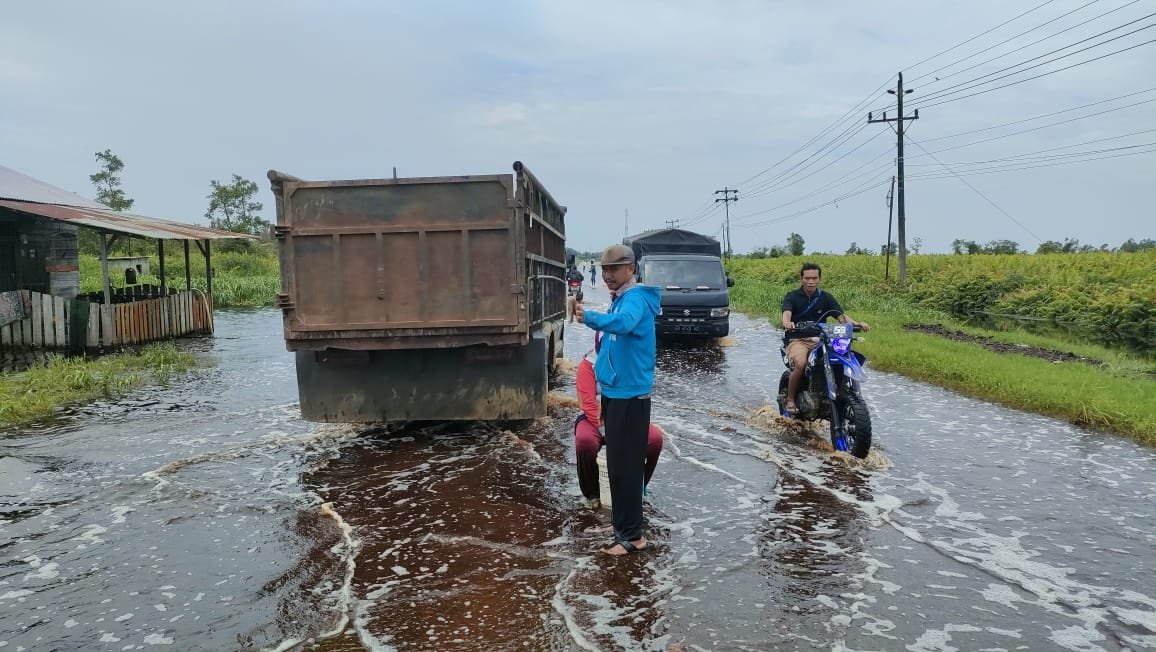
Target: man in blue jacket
column 625, row 373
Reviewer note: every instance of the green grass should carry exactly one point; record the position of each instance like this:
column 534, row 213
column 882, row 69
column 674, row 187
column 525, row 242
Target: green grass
column 243, row 279
column 36, row 393
column 1118, row 395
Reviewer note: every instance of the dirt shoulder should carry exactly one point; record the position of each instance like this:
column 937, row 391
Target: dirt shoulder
column 1001, row 347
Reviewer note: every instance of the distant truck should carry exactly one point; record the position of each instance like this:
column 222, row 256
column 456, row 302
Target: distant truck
column 688, row 268
column 436, row 298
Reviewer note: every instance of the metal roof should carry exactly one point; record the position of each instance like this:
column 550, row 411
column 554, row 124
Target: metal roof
column 21, row 187
column 107, row 219
column 22, row 193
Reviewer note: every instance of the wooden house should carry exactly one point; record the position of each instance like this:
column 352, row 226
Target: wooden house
column 40, row 301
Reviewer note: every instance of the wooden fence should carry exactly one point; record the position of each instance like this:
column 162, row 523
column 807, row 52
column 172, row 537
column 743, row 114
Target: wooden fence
column 52, row 321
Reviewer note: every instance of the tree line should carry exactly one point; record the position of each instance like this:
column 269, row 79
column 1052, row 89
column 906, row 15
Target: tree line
column 1068, row 246
column 232, row 207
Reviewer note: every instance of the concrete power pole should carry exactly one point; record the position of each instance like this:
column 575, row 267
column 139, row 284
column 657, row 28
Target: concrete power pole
column 890, row 214
column 728, row 195
column 900, row 121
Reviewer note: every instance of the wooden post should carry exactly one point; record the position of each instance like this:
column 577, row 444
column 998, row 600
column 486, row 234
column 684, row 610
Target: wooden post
column 104, row 268
column 161, row 256
column 209, row 269
column 188, row 273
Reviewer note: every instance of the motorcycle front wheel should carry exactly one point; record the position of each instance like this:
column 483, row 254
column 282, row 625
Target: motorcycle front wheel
column 855, row 437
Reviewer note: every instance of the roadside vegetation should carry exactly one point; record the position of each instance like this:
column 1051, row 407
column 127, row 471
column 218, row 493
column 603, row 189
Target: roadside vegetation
column 1104, row 295
column 38, row 392
column 246, row 278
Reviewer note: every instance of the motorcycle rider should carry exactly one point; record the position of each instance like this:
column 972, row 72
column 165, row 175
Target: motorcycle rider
column 574, row 276
column 808, row 303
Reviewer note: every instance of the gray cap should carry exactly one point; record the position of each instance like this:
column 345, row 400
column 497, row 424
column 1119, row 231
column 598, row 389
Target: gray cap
column 617, row 255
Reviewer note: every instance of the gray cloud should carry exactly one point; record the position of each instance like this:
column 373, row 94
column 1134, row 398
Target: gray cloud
column 649, row 106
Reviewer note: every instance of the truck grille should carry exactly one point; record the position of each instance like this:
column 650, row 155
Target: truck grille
column 676, row 315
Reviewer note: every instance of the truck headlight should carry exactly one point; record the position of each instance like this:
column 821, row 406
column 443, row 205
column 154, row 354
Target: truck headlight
column 720, row 312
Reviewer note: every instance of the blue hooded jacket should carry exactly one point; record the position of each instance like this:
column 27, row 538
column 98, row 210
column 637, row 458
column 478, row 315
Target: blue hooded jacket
column 625, row 366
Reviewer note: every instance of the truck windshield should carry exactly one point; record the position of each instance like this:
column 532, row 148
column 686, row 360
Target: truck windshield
column 684, row 273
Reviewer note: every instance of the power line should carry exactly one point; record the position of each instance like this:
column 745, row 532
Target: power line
column 1038, row 117
column 976, row 191
column 963, row 86
column 783, row 181
column 1050, row 72
column 1022, row 47
column 984, row 33
column 862, row 189
column 830, row 146
column 1042, row 126
column 831, row 186
column 931, row 176
column 926, row 101
column 1031, row 156
column 850, row 113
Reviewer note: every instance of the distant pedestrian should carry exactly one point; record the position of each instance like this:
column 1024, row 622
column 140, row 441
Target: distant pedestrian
column 625, row 373
column 593, row 275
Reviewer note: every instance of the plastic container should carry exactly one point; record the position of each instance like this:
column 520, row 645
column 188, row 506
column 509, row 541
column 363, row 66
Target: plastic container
column 603, row 479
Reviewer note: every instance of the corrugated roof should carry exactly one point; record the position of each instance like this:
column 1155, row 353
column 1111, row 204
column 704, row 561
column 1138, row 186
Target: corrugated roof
column 22, row 193
column 110, row 220
column 21, row 187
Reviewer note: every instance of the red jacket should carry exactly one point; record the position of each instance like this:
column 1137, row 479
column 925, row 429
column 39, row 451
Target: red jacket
column 588, row 392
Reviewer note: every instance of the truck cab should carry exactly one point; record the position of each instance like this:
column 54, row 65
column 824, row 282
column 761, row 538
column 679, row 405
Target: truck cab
column 687, row 267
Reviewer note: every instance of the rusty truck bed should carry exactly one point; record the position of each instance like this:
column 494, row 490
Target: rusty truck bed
column 432, row 262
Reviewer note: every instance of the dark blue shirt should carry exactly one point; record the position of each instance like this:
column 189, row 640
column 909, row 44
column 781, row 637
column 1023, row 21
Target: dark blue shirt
column 804, row 308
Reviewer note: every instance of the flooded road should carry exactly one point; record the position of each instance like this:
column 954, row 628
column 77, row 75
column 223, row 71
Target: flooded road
column 208, row 516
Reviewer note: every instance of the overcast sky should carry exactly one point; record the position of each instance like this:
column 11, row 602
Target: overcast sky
column 642, row 106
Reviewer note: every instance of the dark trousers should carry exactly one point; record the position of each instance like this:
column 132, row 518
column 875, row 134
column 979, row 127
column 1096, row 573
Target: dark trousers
column 627, row 423
column 587, row 443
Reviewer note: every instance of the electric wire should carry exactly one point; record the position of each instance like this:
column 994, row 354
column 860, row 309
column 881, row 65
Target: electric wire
column 1038, row 117
column 1045, row 74
column 1049, row 125
column 862, row 189
column 981, row 34
column 963, row 86
column 977, row 191
column 931, row 176
column 1022, row 47
column 782, row 181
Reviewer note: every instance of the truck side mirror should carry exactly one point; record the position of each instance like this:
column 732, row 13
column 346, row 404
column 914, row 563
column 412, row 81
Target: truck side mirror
column 730, row 282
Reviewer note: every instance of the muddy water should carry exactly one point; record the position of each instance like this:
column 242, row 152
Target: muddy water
column 208, row 516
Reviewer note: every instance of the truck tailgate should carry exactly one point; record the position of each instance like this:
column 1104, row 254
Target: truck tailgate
column 400, row 260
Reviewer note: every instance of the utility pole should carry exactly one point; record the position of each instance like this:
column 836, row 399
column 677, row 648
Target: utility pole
column 899, row 123
column 728, row 195
column 890, row 215
column 672, row 224
column 626, row 223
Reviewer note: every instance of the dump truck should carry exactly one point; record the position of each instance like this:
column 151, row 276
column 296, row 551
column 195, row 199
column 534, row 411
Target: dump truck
column 418, row 299
column 688, row 268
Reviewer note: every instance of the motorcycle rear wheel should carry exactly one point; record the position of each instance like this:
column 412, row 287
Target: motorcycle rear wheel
column 856, row 426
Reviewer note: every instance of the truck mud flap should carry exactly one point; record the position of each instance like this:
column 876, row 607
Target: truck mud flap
column 473, row 383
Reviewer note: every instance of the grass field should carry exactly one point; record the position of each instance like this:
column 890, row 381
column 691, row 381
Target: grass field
column 1097, row 290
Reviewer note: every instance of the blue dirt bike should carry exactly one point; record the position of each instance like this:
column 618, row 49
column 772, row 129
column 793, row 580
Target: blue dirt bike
column 829, row 388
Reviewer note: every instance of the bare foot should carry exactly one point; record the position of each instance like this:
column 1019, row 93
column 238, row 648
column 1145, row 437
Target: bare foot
column 625, row 548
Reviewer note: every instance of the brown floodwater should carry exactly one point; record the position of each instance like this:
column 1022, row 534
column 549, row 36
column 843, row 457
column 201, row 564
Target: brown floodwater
column 205, row 515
